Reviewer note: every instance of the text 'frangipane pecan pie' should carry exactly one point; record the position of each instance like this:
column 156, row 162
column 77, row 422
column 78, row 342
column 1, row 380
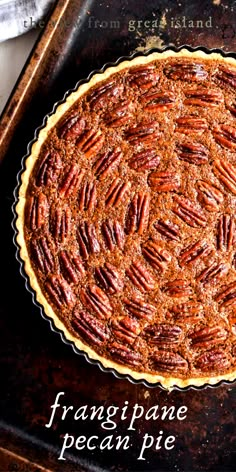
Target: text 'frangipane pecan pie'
column 126, row 218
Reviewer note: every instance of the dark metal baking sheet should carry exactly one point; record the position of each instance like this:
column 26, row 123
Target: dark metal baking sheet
column 35, row 365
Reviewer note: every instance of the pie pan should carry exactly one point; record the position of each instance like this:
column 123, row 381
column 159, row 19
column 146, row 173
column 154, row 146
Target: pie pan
column 182, row 321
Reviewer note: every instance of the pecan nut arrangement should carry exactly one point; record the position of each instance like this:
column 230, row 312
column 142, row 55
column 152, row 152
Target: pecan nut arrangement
column 126, row 218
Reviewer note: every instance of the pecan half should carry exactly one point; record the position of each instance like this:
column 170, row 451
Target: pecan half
column 208, row 336
column 136, row 306
column 178, row 288
column 113, row 233
column 144, row 160
column 209, row 196
column 106, row 94
column 168, row 229
column 95, row 299
column 212, row 273
column 60, row 291
column 194, row 251
column 156, row 255
column 87, row 239
column 72, row 128
column 116, row 192
column 186, row 71
column 87, row 196
column 164, row 181
column 162, row 334
column 125, row 329
column 143, row 133
column 168, row 361
column 120, row 114
column 193, row 153
column 158, row 101
column 49, row 169
column 225, row 135
column 37, row 211
column 107, row 162
column 189, row 312
column 227, row 75
column 226, row 172
column 91, row 142
column 90, row 328
column 138, row 214
column 143, row 77
column 60, row 223
column 43, row 254
column 190, row 124
column 71, row 181
column 234, row 261
column 71, row 266
column 109, row 278
column 211, row 360
column 189, row 212
column 125, row 354
column 225, row 232
column 227, row 297
column 203, row 97
column 140, row 277
column 232, row 108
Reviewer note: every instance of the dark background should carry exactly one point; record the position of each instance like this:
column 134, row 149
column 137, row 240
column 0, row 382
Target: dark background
column 35, row 364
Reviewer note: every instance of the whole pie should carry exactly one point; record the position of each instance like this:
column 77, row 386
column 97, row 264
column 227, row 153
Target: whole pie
column 126, row 218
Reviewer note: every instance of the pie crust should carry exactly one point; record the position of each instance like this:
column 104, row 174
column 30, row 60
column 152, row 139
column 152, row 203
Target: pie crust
column 125, row 218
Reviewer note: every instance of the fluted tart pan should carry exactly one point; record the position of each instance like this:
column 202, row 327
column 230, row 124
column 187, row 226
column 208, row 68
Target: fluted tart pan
column 125, row 218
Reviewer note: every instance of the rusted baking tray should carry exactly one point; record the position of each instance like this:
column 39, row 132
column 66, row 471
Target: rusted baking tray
column 81, row 36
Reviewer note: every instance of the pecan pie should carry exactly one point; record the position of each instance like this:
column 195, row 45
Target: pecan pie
column 126, row 218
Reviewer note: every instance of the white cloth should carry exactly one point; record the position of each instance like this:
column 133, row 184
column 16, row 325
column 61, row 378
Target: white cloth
column 19, row 16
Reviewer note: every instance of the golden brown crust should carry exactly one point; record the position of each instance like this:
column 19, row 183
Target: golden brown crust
column 168, row 380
